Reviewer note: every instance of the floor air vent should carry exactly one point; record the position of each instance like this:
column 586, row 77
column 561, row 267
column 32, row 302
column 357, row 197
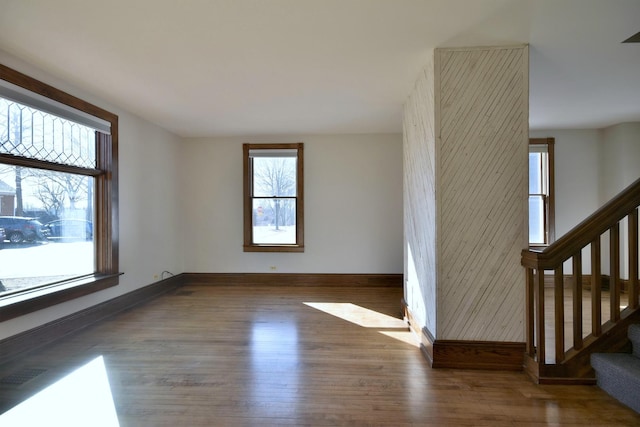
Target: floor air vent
column 22, row 376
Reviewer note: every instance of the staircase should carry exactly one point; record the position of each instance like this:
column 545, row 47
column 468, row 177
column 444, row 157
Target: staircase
column 619, row 373
column 583, row 295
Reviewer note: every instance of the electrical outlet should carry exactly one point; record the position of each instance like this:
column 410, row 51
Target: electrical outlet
column 272, row 268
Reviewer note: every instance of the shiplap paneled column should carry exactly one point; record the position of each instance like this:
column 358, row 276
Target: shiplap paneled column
column 465, row 186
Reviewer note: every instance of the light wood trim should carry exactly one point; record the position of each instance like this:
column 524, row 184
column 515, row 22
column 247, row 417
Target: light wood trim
column 294, row 279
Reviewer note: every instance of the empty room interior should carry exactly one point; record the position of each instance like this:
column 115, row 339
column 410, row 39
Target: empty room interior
column 323, row 212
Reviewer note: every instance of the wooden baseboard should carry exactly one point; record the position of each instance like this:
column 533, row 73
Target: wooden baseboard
column 294, row 279
column 457, row 354
column 426, row 339
column 491, row 355
column 32, row 339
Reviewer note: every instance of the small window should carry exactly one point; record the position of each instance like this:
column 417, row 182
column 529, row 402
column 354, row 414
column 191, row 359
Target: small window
column 273, row 198
column 541, row 198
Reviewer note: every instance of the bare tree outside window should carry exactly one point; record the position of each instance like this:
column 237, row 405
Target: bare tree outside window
column 58, row 177
column 273, row 197
column 276, row 177
column 47, row 205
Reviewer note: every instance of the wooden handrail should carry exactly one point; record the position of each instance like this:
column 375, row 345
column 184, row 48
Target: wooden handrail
column 585, row 232
column 545, row 330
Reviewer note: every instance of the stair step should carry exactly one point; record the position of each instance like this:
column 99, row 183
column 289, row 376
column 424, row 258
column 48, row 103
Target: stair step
column 619, row 375
column 634, row 337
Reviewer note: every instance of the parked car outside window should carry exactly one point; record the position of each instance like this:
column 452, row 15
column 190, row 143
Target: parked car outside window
column 3, row 236
column 21, row 229
column 72, row 229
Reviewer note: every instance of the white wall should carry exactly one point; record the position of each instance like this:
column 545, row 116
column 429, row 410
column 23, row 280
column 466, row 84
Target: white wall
column 352, row 196
column 620, row 167
column 150, row 221
column 620, row 158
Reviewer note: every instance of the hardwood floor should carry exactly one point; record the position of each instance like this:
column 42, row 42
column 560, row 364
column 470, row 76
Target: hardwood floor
column 275, row 356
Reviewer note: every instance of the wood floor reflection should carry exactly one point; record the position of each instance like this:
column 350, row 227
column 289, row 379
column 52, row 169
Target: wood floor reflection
column 274, row 356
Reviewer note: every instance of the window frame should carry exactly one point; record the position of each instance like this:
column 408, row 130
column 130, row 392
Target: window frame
column 106, row 207
column 549, row 201
column 249, row 246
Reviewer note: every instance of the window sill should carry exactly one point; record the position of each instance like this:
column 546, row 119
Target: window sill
column 273, row 248
column 22, row 303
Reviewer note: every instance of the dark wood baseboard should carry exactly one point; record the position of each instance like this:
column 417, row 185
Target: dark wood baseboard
column 294, row 279
column 457, row 354
column 491, row 355
column 32, row 339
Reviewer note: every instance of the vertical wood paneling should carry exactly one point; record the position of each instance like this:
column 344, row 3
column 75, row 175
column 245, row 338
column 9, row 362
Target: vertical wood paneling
column 481, row 130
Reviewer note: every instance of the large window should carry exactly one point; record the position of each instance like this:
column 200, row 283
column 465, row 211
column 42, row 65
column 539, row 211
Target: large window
column 273, row 198
column 58, row 193
column 541, row 197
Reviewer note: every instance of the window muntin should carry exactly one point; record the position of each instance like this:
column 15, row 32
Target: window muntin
column 56, row 155
column 541, row 198
column 35, row 134
column 273, row 197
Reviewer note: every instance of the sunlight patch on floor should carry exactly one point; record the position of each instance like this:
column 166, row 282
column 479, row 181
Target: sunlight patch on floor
column 389, row 326
column 82, row 398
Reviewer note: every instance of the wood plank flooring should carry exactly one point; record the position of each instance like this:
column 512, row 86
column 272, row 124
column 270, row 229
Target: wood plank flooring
column 279, row 356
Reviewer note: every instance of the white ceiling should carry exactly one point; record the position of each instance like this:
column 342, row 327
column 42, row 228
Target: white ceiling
column 254, row 67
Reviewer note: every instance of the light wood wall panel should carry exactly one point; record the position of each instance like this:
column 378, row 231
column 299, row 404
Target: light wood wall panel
column 420, row 201
column 481, row 174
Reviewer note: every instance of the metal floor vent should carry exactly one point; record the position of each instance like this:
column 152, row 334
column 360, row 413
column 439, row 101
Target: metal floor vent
column 22, row 376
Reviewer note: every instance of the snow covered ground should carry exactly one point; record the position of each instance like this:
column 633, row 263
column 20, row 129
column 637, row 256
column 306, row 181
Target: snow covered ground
column 24, row 265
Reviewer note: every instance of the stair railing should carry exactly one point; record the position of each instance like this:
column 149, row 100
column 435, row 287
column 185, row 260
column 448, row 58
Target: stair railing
column 546, row 331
